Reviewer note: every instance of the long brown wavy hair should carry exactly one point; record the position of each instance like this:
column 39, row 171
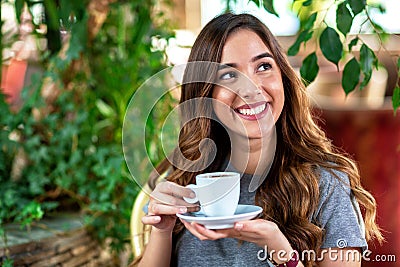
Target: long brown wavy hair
column 290, row 193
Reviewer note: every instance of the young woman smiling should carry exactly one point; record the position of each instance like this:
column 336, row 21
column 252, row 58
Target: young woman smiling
column 310, row 193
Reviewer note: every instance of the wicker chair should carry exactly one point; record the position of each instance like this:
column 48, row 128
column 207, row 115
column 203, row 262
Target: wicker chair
column 140, row 233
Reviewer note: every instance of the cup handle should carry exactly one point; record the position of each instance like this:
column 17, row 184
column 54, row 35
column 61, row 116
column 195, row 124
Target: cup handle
column 191, row 200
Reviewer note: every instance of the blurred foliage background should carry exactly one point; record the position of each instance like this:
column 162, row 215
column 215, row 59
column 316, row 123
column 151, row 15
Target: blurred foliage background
column 61, row 150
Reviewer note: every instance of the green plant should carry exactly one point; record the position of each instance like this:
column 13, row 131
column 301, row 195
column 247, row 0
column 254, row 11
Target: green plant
column 67, row 169
column 7, row 263
column 71, row 143
column 330, row 39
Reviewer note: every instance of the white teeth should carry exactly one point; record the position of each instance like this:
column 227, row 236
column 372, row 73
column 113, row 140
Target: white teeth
column 252, row 111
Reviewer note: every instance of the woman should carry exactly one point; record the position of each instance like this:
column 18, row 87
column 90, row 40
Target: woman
column 311, row 194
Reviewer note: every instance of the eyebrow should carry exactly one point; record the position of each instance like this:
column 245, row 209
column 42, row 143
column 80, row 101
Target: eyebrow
column 254, row 59
column 263, row 55
column 227, row 65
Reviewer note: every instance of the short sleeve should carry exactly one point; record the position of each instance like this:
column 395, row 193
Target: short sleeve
column 338, row 213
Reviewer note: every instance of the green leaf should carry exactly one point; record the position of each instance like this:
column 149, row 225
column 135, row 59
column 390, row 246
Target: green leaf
column 331, row 46
column 53, row 14
column 353, row 43
column 367, row 61
column 304, row 36
column 357, row 6
column 344, row 18
column 308, row 36
column 309, row 69
column 310, row 21
column 396, row 99
column 307, row 3
column 351, row 76
column 19, row 5
column 398, row 67
column 65, row 10
column 78, row 39
column 8, row 263
column 269, row 6
column 294, row 48
column 377, row 27
column 105, row 109
column 29, row 213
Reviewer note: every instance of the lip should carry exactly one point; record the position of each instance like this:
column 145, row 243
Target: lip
column 252, row 106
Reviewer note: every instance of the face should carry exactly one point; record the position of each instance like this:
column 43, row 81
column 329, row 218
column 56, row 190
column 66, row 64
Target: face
column 249, row 93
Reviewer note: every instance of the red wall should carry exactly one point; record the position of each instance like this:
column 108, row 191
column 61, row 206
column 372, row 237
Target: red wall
column 372, row 137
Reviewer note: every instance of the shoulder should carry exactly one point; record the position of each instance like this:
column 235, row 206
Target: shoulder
column 334, row 193
column 338, row 212
column 331, row 181
column 336, row 200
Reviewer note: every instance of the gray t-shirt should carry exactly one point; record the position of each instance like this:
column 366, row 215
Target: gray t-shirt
column 338, row 214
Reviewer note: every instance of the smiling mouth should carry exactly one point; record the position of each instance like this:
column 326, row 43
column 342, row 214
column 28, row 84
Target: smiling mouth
column 252, row 111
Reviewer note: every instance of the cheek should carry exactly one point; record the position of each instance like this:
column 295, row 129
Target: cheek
column 280, row 103
column 223, row 96
column 276, row 91
column 222, row 102
column 276, row 86
column 280, row 95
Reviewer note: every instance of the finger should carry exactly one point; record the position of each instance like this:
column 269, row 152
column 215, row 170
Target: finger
column 255, row 230
column 192, row 230
column 230, row 232
column 193, row 208
column 176, row 190
column 158, row 196
column 208, row 233
column 151, row 219
column 245, row 236
column 170, row 199
column 256, row 226
column 155, row 209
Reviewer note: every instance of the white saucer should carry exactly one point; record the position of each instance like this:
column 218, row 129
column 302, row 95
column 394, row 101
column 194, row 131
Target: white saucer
column 242, row 213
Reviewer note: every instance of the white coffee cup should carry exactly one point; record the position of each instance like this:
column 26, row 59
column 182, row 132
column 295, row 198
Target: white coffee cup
column 217, row 192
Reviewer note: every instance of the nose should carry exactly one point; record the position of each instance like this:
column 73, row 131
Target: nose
column 248, row 89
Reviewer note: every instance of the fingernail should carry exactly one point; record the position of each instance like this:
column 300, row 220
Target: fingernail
column 157, row 219
column 183, row 210
column 238, row 226
column 192, row 195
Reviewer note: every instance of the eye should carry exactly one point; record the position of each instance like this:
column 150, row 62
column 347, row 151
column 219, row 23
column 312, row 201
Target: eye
column 228, row 75
column 264, row 67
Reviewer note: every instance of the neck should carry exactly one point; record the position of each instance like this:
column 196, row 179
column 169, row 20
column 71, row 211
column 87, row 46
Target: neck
column 253, row 156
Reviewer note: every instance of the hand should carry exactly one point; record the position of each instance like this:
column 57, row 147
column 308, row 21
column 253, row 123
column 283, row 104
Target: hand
column 259, row 231
column 165, row 201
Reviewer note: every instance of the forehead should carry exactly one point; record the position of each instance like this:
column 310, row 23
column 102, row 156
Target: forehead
column 243, row 44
